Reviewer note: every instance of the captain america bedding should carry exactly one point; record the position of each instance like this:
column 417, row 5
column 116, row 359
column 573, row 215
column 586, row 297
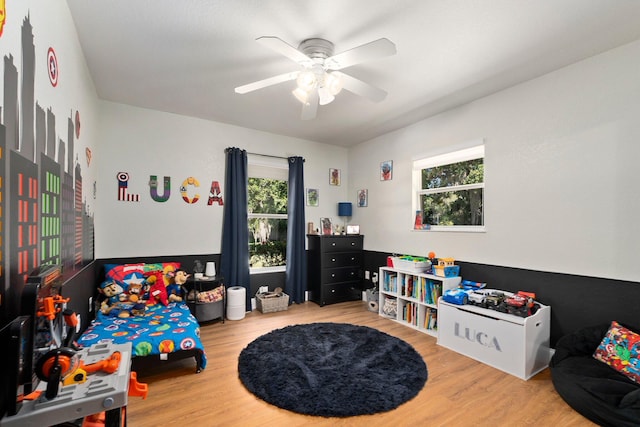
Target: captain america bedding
column 161, row 330
column 168, row 332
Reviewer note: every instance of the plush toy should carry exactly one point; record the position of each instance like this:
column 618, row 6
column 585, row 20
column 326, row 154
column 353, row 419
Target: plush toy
column 168, row 275
column 136, row 292
column 157, row 290
column 116, row 303
column 174, row 290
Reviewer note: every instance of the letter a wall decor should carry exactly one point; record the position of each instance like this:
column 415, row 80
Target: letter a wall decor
column 214, row 194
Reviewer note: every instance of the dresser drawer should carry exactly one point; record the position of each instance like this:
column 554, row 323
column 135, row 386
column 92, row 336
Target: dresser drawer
column 342, row 274
column 341, row 259
column 340, row 292
column 341, row 243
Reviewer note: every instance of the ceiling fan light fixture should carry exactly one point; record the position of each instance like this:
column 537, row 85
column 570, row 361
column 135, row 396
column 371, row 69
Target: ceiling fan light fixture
column 307, row 80
column 324, row 96
column 301, row 95
column 333, row 83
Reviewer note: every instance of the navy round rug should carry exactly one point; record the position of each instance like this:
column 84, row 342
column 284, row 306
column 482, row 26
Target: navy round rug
column 332, row 369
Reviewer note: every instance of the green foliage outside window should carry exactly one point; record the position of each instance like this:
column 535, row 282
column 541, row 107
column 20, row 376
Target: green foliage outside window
column 454, row 204
column 267, row 208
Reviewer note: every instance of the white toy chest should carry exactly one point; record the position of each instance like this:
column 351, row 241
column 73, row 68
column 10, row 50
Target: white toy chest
column 513, row 344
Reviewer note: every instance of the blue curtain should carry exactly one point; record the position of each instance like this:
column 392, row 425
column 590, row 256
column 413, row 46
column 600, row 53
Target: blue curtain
column 296, row 275
column 234, row 259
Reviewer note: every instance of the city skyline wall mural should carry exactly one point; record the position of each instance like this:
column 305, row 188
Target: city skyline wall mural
column 44, row 218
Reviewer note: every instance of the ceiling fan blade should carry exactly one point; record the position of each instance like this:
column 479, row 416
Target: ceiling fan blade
column 283, row 48
column 361, row 88
column 310, row 108
column 267, row 82
column 373, row 50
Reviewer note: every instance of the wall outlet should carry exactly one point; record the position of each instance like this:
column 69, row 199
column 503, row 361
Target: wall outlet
column 367, row 275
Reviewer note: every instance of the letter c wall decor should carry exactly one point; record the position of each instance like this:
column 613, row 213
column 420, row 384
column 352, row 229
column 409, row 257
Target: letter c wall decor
column 183, row 190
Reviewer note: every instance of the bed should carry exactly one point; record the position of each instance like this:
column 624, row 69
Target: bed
column 163, row 330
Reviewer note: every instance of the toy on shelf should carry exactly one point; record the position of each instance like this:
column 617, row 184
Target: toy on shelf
column 446, row 268
column 410, row 263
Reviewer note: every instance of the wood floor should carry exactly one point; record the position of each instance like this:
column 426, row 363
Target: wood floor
column 458, row 392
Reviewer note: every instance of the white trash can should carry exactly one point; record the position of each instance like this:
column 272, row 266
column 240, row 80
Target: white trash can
column 236, row 302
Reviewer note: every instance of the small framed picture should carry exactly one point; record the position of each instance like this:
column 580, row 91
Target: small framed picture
column 363, row 198
column 353, row 229
column 386, row 170
column 326, row 227
column 334, row 176
column 313, row 197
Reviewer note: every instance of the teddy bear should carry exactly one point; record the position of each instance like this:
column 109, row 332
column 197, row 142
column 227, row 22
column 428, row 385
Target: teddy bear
column 136, row 292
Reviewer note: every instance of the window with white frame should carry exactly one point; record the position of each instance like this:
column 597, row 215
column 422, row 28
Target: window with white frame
column 267, row 214
column 449, row 190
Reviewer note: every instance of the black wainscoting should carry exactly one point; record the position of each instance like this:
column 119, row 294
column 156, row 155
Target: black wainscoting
column 81, row 289
column 576, row 301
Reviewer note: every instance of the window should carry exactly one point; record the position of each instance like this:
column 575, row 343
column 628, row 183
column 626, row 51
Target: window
column 267, row 215
column 449, row 190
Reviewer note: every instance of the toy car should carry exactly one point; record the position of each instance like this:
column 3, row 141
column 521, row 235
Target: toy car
column 521, row 304
column 472, row 285
column 457, row 296
column 477, row 298
column 493, row 299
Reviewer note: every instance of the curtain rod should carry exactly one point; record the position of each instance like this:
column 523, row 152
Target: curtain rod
column 271, row 155
column 268, row 155
column 263, row 155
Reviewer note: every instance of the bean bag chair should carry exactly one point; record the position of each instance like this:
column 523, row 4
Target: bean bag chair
column 590, row 386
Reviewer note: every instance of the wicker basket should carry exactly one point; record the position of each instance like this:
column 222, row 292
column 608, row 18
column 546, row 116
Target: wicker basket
column 272, row 304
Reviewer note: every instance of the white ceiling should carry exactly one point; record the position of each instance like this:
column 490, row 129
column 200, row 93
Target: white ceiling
column 187, row 56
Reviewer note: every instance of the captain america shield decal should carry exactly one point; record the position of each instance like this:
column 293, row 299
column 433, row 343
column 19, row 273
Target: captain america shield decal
column 52, row 65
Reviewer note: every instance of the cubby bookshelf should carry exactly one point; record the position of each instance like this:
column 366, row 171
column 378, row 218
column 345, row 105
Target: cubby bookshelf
column 414, row 296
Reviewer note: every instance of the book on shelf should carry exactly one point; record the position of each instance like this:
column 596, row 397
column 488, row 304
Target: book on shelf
column 434, row 292
column 410, row 313
column 431, row 319
column 390, row 282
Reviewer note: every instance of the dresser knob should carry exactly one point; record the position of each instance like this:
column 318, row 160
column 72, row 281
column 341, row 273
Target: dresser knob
column 333, row 260
column 333, row 244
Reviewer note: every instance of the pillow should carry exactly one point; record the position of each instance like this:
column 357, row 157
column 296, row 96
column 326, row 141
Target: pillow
column 620, row 349
column 123, row 274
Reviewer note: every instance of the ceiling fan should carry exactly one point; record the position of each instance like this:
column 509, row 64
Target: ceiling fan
column 319, row 80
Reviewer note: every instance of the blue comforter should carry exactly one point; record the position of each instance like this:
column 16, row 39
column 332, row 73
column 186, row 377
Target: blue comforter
column 162, row 329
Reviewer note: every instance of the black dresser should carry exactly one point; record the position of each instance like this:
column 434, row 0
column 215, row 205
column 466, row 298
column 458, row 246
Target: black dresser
column 335, row 268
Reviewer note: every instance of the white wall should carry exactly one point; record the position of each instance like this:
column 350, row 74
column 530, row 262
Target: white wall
column 145, row 142
column 562, row 155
